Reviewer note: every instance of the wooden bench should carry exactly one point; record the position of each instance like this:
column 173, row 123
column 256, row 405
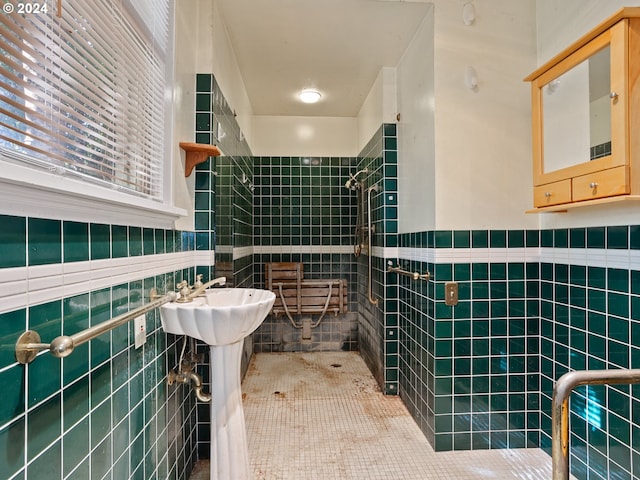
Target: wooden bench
column 297, row 296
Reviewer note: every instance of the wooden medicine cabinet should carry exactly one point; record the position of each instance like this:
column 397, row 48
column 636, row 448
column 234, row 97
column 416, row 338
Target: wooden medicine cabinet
column 586, row 119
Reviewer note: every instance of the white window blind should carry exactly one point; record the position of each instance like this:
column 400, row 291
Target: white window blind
column 83, row 94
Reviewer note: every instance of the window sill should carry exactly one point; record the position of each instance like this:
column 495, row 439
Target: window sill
column 29, row 192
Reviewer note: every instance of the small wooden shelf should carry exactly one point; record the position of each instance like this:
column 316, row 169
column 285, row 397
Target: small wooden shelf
column 197, row 153
column 563, row 208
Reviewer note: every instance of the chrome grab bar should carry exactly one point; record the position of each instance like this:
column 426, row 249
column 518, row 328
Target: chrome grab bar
column 560, row 409
column 415, row 275
column 28, row 344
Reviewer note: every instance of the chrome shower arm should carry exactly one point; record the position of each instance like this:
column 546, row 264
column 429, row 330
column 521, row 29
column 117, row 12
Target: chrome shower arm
column 352, row 182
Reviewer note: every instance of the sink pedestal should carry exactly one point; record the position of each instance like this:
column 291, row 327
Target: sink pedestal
column 229, row 449
column 222, row 318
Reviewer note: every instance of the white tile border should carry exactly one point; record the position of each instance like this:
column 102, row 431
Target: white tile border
column 605, row 258
column 25, row 286
column 299, row 249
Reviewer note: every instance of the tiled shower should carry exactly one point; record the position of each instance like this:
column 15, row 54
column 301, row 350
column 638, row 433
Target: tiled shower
column 303, row 213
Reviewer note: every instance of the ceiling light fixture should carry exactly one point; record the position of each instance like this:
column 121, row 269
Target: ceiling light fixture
column 309, row 95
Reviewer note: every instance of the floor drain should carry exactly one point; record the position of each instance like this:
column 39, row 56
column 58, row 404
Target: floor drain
column 336, row 365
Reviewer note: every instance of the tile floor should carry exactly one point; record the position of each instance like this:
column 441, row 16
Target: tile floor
column 321, row 416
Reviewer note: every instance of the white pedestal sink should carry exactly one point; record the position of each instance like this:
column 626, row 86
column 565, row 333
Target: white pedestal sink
column 223, row 318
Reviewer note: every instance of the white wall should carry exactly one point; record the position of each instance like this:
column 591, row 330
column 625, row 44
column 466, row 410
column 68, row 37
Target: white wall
column 559, row 24
column 380, row 106
column 304, row 136
column 416, row 128
column 215, row 55
column 483, row 137
column 186, row 15
column 202, row 46
column 328, row 136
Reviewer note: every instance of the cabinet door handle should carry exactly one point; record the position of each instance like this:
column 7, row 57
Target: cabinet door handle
column 593, row 185
column 613, row 96
column 548, row 194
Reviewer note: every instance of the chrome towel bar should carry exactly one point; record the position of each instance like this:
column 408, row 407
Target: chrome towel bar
column 560, row 409
column 29, row 344
column 415, row 275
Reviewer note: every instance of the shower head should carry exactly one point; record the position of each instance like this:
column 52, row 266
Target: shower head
column 352, row 183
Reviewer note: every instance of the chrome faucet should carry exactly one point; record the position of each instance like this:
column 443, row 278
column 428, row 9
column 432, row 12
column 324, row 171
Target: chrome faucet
column 187, row 294
column 203, row 286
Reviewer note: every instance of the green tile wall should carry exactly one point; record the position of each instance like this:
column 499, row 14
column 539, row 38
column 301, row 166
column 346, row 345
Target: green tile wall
column 480, row 374
column 378, row 324
column 302, row 201
column 223, row 206
column 301, row 206
column 589, row 320
column 224, row 186
column 469, row 372
column 45, row 244
column 104, row 411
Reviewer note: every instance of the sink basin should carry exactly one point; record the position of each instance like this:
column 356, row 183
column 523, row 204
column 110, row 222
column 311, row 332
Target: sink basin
column 221, row 316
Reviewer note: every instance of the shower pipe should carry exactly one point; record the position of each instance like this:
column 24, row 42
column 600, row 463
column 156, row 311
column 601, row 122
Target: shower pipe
column 370, row 230
column 353, row 184
column 415, row 275
column 359, row 228
column 560, row 409
column 28, row 345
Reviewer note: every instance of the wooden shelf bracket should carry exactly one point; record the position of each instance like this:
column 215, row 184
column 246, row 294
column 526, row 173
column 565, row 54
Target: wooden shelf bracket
column 197, row 153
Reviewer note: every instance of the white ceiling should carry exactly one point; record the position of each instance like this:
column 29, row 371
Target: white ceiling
column 335, row 46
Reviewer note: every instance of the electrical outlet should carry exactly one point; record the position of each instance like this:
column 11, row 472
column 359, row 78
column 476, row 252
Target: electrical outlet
column 140, row 329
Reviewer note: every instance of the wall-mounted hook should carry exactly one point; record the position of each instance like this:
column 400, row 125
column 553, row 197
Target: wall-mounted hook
column 468, row 14
column 471, row 78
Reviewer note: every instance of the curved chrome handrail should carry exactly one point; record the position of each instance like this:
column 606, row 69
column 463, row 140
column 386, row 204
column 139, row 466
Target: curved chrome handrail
column 560, row 409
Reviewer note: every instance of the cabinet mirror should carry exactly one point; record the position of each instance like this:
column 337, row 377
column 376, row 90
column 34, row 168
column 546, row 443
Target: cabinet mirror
column 576, row 107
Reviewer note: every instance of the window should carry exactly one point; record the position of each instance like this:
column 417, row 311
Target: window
column 83, row 93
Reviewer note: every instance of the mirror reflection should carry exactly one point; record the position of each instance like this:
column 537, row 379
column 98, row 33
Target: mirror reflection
column 577, row 114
